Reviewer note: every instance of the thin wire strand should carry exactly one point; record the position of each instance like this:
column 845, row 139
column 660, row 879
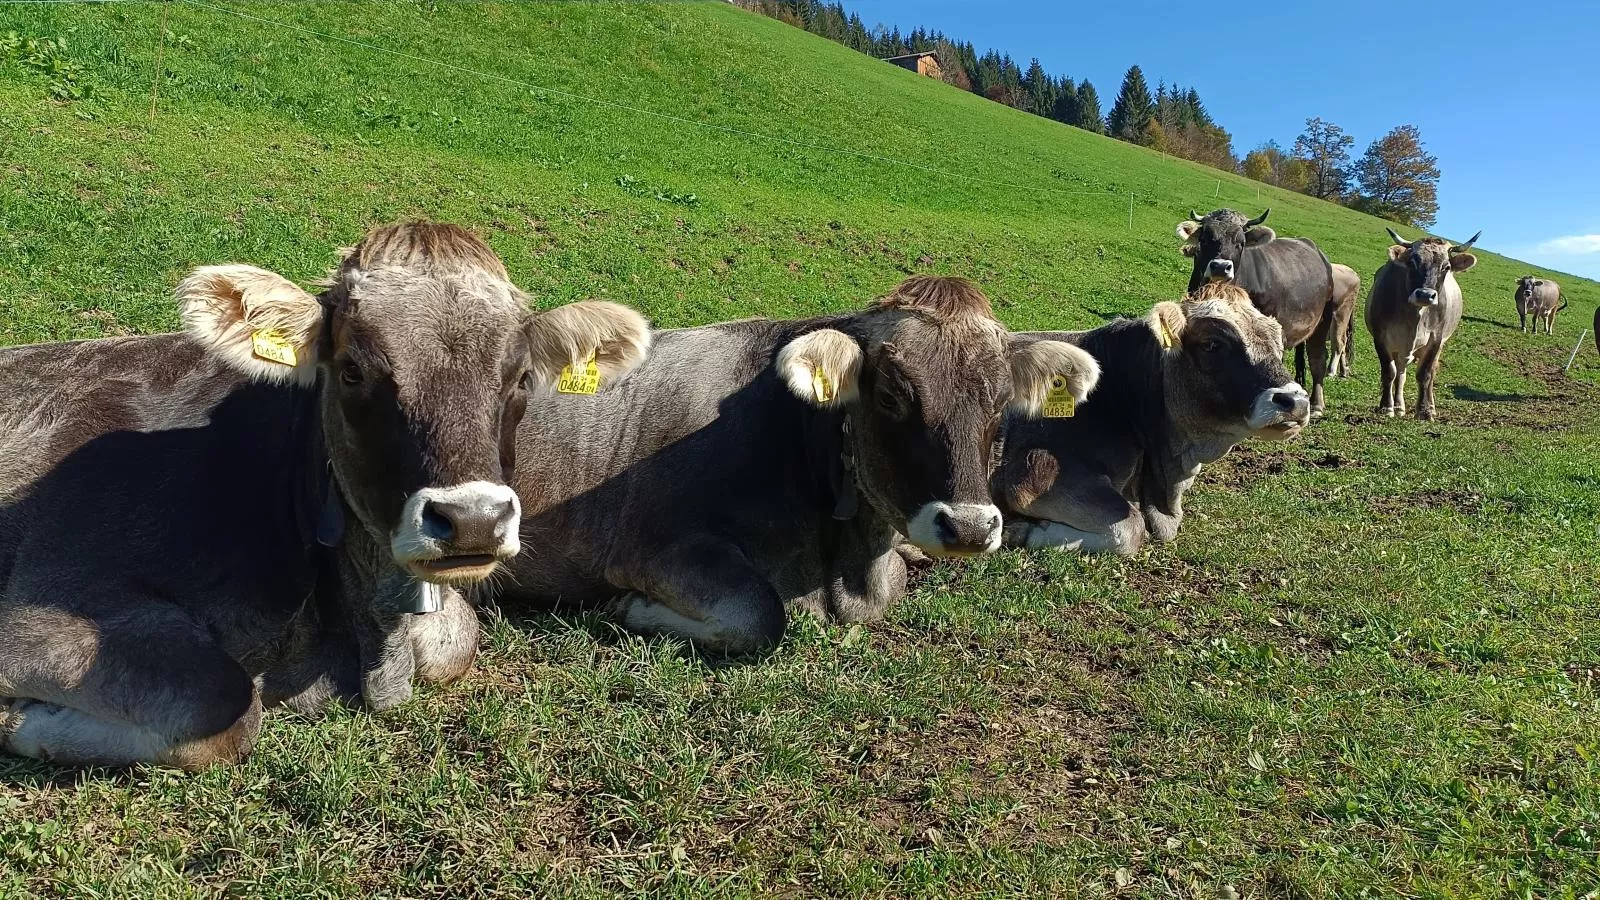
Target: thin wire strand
column 725, row 129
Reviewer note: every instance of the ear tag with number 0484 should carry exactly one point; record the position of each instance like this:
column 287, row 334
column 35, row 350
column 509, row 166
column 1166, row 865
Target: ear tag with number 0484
column 585, row 380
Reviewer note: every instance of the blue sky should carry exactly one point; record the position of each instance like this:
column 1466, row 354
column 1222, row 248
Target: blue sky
column 1507, row 94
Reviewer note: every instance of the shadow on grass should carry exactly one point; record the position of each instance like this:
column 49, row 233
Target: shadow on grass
column 1473, row 395
column 1482, row 321
column 536, row 621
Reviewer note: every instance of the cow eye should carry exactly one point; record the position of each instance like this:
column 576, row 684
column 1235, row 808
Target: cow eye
column 1212, row 346
column 350, row 373
column 526, row 381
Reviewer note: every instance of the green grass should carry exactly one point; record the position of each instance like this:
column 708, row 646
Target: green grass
column 1370, row 665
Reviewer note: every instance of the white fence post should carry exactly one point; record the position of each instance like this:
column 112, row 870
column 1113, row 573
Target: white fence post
column 1575, row 351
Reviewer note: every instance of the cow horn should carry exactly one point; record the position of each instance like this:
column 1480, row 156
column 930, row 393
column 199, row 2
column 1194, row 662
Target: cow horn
column 1468, row 244
column 1194, row 215
column 1258, row 219
column 1397, row 238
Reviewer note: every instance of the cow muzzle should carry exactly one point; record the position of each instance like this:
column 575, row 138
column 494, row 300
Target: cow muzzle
column 458, row 535
column 1279, row 413
column 1220, row 270
column 1424, row 297
column 956, row 529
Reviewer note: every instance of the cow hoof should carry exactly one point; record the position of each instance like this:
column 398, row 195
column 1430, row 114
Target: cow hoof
column 1317, row 414
column 1386, row 411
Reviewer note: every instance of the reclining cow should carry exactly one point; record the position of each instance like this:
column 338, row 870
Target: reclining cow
column 1177, row 390
column 198, row 525
column 752, row 465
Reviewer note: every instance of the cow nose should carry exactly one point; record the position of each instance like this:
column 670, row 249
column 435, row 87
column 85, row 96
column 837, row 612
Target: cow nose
column 967, row 529
column 474, row 523
column 1425, row 296
column 1221, row 268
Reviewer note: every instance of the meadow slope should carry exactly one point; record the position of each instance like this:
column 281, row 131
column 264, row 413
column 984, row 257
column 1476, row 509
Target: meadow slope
column 1370, row 665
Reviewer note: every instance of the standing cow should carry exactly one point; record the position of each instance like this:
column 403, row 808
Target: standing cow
column 1346, row 291
column 1414, row 308
column 1540, row 298
column 195, row 526
column 751, row 465
column 1178, row 389
column 1289, row 279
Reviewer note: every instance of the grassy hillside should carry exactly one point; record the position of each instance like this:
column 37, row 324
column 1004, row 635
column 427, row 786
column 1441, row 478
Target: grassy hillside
column 1370, row 664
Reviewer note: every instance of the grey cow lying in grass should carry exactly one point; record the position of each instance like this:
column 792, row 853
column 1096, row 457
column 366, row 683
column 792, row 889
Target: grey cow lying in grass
column 1177, row 390
column 195, row 526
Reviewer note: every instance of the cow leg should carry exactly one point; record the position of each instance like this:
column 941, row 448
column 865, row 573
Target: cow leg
column 1427, row 371
column 706, row 591
column 1400, row 367
column 1317, row 347
column 1386, row 398
column 145, row 684
column 1082, row 512
column 1300, row 363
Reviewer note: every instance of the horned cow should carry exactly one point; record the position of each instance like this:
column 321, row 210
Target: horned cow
column 1413, row 310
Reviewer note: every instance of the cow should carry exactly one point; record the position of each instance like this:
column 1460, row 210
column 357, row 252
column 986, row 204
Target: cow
column 1540, row 298
column 753, row 466
column 1177, row 390
column 1414, row 308
column 282, row 504
column 1346, row 291
column 1289, row 279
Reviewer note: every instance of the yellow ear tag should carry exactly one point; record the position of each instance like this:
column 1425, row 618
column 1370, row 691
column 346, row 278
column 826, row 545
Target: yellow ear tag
column 1058, row 401
column 584, row 381
column 1163, row 335
column 271, row 345
column 823, row 386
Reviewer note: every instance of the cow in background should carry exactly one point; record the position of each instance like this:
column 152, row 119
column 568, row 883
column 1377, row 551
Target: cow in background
column 1289, row 279
column 1346, row 294
column 1413, row 310
column 1541, row 299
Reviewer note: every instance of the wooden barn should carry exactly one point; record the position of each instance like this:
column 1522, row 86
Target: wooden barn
column 921, row 63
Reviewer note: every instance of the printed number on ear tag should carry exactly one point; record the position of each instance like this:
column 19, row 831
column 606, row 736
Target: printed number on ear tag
column 1058, row 401
column 586, row 380
column 823, row 386
column 271, row 345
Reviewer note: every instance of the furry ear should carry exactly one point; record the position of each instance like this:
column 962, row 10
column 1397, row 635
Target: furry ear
column 1167, row 321
column 1036, row 366
column 822, row 368
column 1398, row 252
column 256, row 321
column 1259, row 235
column 1189, row 250
column 1186, row 229
column 1461, row 262
column 615, row 336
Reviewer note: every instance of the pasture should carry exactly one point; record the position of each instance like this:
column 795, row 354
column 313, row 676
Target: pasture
column 1370, row 664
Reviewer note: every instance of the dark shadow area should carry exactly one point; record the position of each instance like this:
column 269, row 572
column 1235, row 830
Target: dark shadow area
column 1473, row 395
column 1482, row 321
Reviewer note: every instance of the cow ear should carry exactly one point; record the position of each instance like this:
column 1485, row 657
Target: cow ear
column 1189, row 250
column 256, row 321
column 1259, row 235
column 1186, row 229
column 822, row 368
column 1397, row 252
column 1039, row 367
column 1167, row 321
column 615, row 337
column 1461, row 262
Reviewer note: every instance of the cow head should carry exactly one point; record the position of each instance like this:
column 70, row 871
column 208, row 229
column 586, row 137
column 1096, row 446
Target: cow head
column 1224, row 363
column 1525, row 286
column 1427, row 262
column 1216, row 243
column 424, row 354
column 925, row 377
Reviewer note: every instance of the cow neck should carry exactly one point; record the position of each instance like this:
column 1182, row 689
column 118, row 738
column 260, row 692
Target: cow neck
column 311, row 487
column 1132, row 388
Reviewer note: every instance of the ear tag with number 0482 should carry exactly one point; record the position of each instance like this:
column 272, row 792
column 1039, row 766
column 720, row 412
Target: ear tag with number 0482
column 585, row 380
column 1058, row 401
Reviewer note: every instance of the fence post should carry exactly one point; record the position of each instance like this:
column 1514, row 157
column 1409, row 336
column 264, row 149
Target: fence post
column 1575, row 351
column 1130, row 210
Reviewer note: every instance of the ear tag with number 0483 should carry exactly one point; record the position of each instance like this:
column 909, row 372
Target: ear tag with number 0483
column 1058, row 401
